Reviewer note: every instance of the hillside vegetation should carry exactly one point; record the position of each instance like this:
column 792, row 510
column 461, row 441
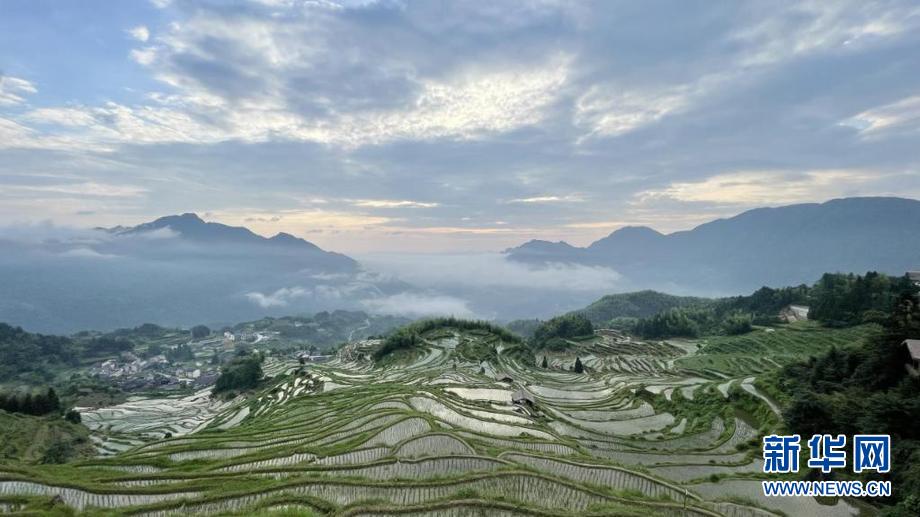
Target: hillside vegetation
column 836, row 299
column 47, row 439
column 409, row 337
column 554, row 332
column 458, row 417
column 865, row 388
column 639, row 304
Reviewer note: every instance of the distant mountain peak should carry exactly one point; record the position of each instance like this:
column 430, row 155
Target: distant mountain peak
column 541, row 246
column 785, row 245
column 637, row 230
column 191, row 227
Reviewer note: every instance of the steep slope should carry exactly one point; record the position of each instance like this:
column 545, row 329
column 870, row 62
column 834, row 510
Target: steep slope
column 461, row 423
column 765, row 246
column 191, row 228
column 177, row 270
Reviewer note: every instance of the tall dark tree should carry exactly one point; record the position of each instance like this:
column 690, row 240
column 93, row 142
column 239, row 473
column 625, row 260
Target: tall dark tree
column 579, row 368
column 545, row 365
column 200, row 331
column 73, row 416
column 53, row 403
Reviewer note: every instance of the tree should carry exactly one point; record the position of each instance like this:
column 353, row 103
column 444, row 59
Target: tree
column 579, row 368
column 737, row 323
column 59, row 452
column 182, row 352
column 241, row 373
column 153, row 350
column 200, row 331
column 545, row 365
column 73, row 416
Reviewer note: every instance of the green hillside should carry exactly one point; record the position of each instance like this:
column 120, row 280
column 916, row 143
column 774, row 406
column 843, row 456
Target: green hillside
column 26, row 439
column 639, row 304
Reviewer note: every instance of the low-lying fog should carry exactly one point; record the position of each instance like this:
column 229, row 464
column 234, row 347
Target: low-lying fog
column 62, row 280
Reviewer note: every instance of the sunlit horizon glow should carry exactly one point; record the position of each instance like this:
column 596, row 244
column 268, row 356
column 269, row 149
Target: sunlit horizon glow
column 375, row 127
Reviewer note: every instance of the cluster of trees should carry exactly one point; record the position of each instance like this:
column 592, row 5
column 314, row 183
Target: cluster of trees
column 764, row 304
column 106, row 345
column 200, row 331
column 631, row 306
column 841, row 300
column 241, row 373
column 677, row 322
column 31, row 403
column 146, row 330
column 181, row 352
column 153, row 350
column 33, row 357
column 553, row 332
column 865, row 389
column 409, row 336
column 836, row 299
column 524, row 328
column 405, row 338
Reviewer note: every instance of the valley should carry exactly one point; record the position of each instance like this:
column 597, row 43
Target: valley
column 464, row 421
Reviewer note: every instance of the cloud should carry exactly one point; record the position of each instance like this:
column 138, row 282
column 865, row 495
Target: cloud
column 419, row 305
column 389, row 203
column 47, row 231
column 547, row 199
column 159, row 233
column 13, row 90
column 756, row 188
column 140, row 33
column 84, row 252
column 436, row 122
column 900, row 116
column 490, row 270
column 88, row 188
column 610, row 111
column 299, row 221
column 803, row 28
column 280, row 298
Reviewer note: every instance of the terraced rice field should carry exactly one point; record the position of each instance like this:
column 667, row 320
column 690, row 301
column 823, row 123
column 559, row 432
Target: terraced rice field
column 650, row 429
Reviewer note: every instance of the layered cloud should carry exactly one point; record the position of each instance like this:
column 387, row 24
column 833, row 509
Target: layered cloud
column 14, row 90
column 490, row 270
column 279, row 298
column 760, row 188
column 391, row 125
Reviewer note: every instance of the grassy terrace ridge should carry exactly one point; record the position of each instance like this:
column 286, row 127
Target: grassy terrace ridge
column 649, row 428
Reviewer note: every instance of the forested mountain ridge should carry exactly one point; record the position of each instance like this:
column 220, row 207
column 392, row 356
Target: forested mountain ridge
column 786, row 245
column 836, row 299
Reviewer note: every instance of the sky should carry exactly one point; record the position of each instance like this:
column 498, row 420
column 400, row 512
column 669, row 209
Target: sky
column 404, row 126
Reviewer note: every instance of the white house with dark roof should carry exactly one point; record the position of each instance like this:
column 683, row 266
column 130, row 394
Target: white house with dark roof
column 913, row 348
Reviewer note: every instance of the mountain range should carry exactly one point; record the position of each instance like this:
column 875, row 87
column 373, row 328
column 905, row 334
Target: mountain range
column 766, row 246
column 233, row 242
column 177, row 270
column 181, row 270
